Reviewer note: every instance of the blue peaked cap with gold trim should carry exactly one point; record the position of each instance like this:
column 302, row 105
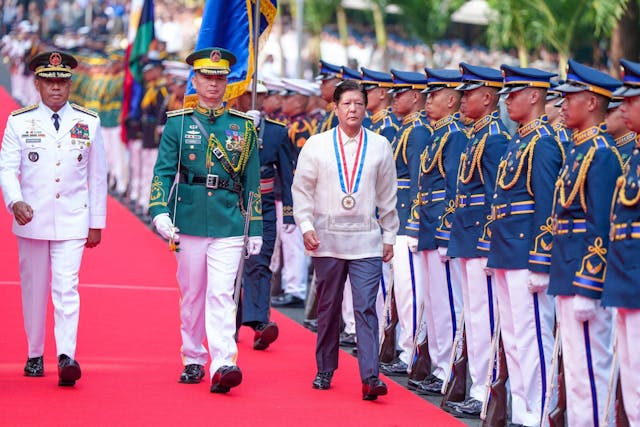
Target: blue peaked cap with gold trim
column 329, row 71
column 517, row 78
column 350, row 74
column 438, row 79
column 407, row 80
column 475, row 76
column 372, row 79
column 630, row 79
column 584, row 78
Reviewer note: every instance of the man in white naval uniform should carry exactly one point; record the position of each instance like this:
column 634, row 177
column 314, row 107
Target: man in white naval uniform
column 53, row 178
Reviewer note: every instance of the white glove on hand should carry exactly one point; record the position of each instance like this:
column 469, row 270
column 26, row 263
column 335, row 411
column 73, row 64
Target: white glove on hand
column 537, row 282
column 288, row 228
column 255, row 115
column 584, row 308
column 165, row 227
column 255, row 244
column 443, row 254
column 412, row 243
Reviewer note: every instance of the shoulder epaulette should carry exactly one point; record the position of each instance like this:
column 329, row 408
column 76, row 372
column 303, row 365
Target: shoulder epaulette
column 600, row 142
column 276, row 122
column 543, row 131
column 180, row 112
column 494, row 128
column 84, row 110
column 453, row 127
column 240, row 114
column 24, row 109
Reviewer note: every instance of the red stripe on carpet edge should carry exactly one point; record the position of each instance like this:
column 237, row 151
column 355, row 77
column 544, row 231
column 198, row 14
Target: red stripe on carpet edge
column 128, row 347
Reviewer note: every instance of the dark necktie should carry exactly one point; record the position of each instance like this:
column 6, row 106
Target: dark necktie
column 56, row 121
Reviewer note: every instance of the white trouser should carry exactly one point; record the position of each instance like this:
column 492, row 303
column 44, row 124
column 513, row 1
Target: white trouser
column 148, row 161
column 295, row 264
column 526, row 325
column 206, row 275
column 135, row 168
column 406, row 277
column 347, row 309
column 479, row 302
column 628, row 330
column 586, row 358
column 114, row 152
column 50, row 265
column 442, row 307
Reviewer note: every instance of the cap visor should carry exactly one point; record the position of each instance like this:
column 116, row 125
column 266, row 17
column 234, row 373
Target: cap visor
column 431, row 89
column 569, row 88
column 614, row 104
column 510, row 89
column 559, row 103
column 627, row 91
column 469, row 86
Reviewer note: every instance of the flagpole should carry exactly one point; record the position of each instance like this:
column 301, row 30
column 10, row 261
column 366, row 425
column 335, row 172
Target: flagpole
column 256, row 41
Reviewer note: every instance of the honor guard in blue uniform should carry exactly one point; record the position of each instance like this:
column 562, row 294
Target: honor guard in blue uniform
column 520, row 250
column 407, row 146
column 295, row 264
column 616, row 127
column 622, row 286
column 469, row 238
column 582, row 202
column 428, row 236
column 377, row 85
column 329, row 77
column 275, row 160
column 552, row 108
column 215, row 156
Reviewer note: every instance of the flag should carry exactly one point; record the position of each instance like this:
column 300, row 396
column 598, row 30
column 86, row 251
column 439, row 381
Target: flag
column 145, row 34
column 228, row 24
column 140, row 37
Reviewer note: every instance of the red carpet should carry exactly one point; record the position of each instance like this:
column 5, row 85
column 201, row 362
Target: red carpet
column 128, row 347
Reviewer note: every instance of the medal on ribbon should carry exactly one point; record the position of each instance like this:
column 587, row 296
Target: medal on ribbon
column 349, row 180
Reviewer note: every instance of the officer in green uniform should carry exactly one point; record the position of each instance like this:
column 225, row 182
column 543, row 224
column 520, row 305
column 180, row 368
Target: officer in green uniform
column 215, row 154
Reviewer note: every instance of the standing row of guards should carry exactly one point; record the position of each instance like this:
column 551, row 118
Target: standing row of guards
column 492, row 243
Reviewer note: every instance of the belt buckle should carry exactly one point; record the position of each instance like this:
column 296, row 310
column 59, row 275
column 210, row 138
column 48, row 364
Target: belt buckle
column 212, row 181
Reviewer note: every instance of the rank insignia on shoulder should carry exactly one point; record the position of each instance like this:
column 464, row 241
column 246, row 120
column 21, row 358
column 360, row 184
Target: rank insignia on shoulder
column 24, row 109
column 180, row 112
column 240, row 114
column 84, row 110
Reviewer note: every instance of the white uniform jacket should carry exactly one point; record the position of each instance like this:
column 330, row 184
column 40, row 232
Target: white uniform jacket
column 60, row 174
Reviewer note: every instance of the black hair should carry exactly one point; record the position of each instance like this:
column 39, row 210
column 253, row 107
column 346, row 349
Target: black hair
column 348, row 86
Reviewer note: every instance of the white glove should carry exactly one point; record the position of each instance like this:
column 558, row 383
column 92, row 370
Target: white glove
column 584, row 308
column 255, row 244
column 412, row 243
column 443, row 254
column 255, row 115
column 537, row 282
column 288, row 228
column 165, row 227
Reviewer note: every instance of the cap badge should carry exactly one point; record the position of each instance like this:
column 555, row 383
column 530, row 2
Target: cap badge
column 215, row 56
column 55, row 59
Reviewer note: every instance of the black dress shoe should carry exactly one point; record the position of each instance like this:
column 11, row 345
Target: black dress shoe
column 311, row 324
column 322, row 381
column 347, row 340
column 192, row 374
column 431, row 386
column 68, row 371
column 34, row 367
column 265, row 334
column 287, row 300
column 373, row 387
column 225, row 378
column 395, row 368
column 470, row 408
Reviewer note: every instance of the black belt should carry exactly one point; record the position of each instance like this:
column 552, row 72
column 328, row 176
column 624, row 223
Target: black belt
column 211, row 181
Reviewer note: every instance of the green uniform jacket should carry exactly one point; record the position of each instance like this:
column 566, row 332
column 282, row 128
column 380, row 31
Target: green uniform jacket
column 203, row 211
